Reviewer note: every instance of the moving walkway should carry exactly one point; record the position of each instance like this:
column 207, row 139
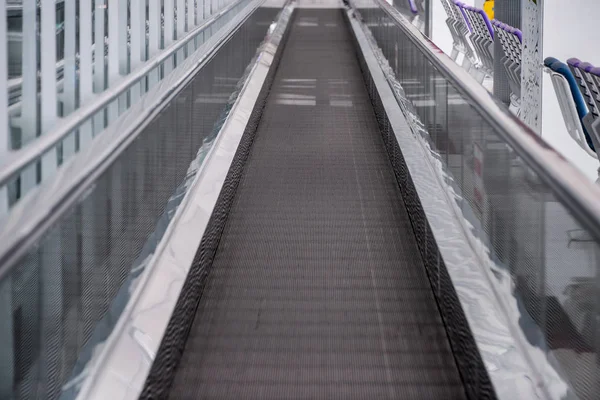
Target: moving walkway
column 333, row 209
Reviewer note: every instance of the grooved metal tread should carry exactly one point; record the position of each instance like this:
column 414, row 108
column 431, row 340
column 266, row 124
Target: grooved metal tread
column 317, row 290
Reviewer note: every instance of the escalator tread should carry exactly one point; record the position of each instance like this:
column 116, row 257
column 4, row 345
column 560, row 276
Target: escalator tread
column 317, row 289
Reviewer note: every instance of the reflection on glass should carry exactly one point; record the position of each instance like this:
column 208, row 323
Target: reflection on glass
column 552, row 260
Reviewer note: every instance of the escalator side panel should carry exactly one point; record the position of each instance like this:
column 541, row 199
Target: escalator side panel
column 474, row 375
column 162, row 373
column 317, row 289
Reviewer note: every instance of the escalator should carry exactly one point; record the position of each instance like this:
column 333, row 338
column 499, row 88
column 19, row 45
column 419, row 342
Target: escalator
column 317, row 288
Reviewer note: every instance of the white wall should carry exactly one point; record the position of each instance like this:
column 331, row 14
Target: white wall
column 439, row 30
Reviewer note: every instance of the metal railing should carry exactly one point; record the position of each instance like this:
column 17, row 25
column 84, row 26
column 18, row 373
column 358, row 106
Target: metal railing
column 71, row 252
column 17, row 242
column 574, row 189
column 144, row 42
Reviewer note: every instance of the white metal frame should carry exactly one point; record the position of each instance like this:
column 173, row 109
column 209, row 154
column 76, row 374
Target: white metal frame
column 87, row 73
column 4, row 128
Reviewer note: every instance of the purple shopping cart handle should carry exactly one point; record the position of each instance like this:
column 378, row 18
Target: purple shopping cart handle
column 595, row 71
column 519, row 35
column 464, row 14
column 574, row 62
column 577, row 63
column 413, row 6
column 586, row 66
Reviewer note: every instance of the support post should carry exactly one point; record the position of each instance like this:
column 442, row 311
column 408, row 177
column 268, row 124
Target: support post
column 99, row 62
column 138, row 42
column 69, row 72
column 29, row 88
column 117, row 49
column 169, row 13
column 48, row 81
column 5, row 138
column 99, row 68
column 180, row 27
column 531, row 71
column 155, row 29
column 86, row 78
